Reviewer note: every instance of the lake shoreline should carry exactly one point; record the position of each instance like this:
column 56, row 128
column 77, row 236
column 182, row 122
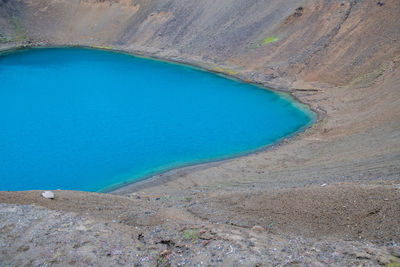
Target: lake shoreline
column 163, row 176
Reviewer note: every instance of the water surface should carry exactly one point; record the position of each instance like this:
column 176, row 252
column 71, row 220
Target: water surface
column 88, row 120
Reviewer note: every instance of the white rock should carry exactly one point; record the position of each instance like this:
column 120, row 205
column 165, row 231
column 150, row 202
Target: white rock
column 48, row 194
column 81, row 228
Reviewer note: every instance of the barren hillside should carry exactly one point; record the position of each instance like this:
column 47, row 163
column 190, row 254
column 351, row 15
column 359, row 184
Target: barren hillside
column 329, row 196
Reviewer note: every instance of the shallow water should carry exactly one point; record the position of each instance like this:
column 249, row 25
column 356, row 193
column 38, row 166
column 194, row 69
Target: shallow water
column 88, row 120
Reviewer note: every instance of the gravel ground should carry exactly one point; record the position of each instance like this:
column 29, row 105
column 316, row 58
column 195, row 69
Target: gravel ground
column 288, row 227
column 34, row 236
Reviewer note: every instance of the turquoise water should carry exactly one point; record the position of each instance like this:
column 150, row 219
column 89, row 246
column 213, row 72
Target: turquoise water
column 90, row 120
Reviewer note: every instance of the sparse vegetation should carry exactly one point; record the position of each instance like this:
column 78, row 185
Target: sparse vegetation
column 393, row 264
column 20, row 33
column 4, row 39
column 107, row 47
column 225, row 70
column 162, row 261
column 368, row 78
column 269, row 39
column 192, row 235
column 265, row 41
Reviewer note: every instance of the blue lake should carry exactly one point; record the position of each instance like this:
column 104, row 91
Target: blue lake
column 93, row 120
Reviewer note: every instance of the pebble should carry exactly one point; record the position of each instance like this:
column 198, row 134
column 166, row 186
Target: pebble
column 395, row 251
column 48, row 194
column 369, row 251
column 362, row 255
column 81, row 228
column 318, row 264
column 165, row 253
column 258, row 229
column 23, row 248
column 384, row 259
column 205, row 243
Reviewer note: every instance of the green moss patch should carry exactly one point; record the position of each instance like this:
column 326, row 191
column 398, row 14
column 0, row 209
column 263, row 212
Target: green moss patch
column 270, row 39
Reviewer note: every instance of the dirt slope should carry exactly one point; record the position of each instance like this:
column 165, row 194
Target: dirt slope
column 331, row 41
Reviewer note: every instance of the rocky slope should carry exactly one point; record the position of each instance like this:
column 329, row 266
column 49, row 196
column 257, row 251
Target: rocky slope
column 340, row 57
column 335, row 225
column 331, row 42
